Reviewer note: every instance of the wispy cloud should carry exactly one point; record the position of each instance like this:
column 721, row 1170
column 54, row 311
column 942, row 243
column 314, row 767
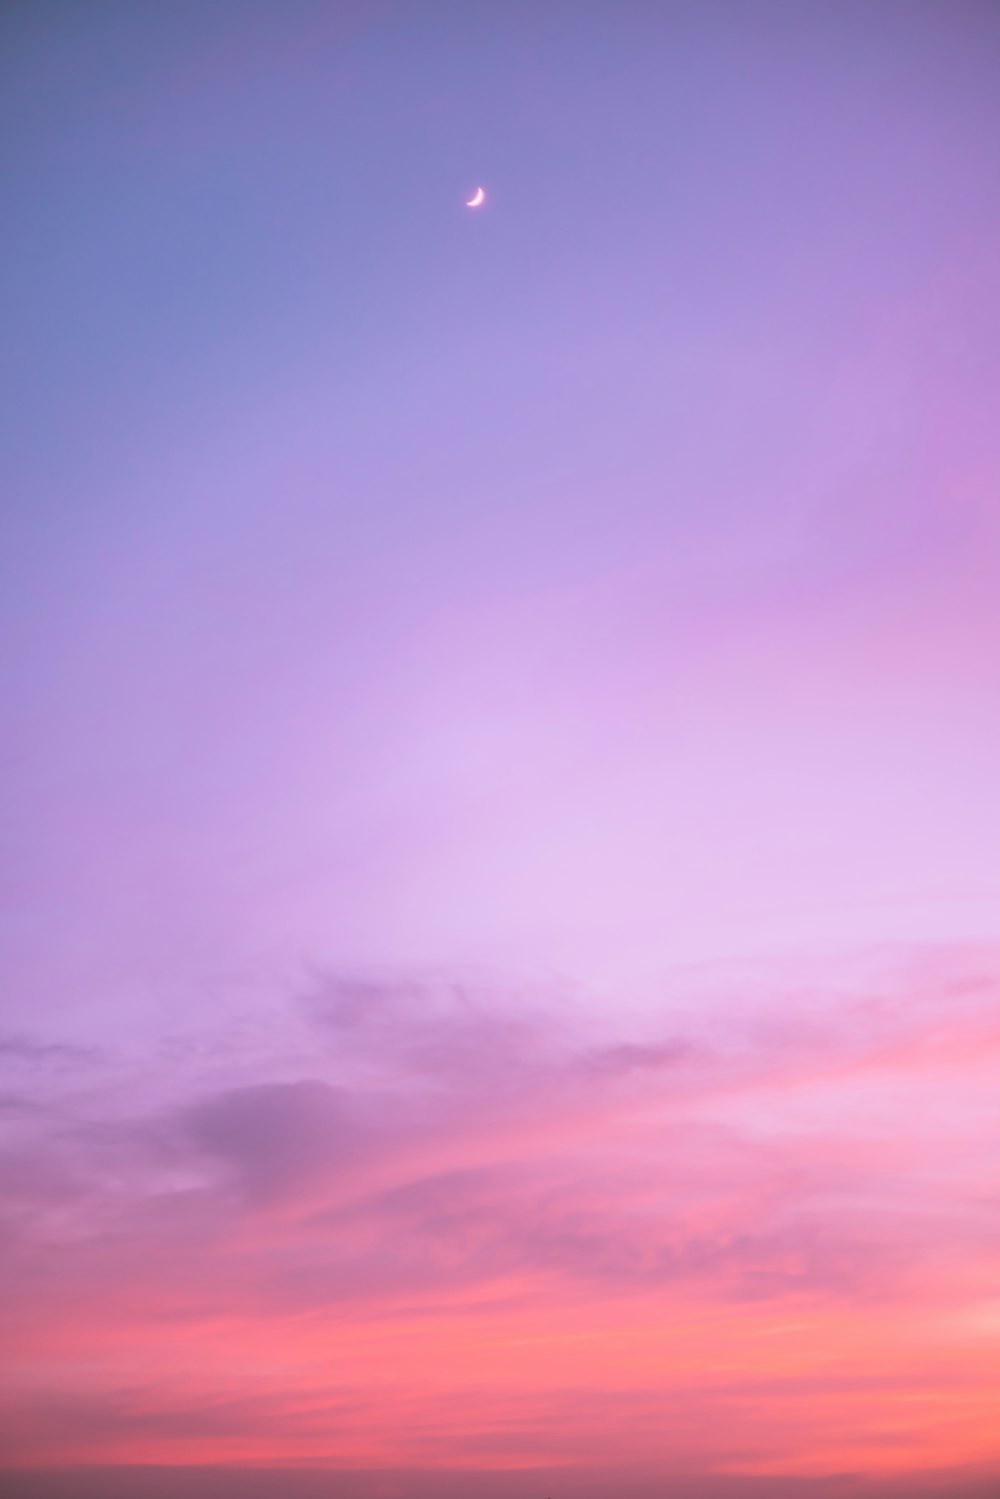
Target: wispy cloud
column 25, row 1049
column 414, row 1175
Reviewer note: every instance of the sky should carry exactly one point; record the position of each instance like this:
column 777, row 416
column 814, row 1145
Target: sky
column 500, row 917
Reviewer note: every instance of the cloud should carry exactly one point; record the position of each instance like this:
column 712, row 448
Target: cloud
column 628, row 1057
column 15, row 1103
column 447, row 1030
column 274, row 1136
column 463, row 1217
column 20, row 1048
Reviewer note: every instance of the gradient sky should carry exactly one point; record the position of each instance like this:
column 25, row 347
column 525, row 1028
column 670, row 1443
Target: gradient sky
column 500, row 925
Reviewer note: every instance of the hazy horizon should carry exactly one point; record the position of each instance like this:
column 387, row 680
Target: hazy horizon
column 568, row 1483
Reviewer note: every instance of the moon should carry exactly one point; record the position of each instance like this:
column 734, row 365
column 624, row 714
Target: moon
column 479, row 196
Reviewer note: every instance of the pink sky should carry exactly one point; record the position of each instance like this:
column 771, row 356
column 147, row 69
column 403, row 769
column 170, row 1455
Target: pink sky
column 403, row 1225
column 499, row 935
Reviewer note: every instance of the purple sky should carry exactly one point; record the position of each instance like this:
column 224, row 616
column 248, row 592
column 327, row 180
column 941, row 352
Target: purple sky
column 570, row 628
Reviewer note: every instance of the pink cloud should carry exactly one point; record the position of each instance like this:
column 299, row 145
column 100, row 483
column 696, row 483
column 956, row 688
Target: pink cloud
column 424, row 1223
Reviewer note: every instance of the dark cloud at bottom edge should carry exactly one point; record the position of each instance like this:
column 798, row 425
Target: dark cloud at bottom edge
column 188, row 1482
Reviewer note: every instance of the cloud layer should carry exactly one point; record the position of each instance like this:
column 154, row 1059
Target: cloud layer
column 428, row 1223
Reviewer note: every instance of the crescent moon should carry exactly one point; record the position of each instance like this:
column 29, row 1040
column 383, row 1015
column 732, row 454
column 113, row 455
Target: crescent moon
column 478, row 197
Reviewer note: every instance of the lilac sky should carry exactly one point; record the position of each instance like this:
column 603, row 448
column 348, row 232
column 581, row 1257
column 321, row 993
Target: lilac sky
column 502, row 716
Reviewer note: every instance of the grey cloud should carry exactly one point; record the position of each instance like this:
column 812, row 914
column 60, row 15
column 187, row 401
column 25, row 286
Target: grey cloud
column 352, row 1004
column 274, row 1135
column 446, row 1032
column 16, row 1103
column 632, row 1057
column 23, row 1049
